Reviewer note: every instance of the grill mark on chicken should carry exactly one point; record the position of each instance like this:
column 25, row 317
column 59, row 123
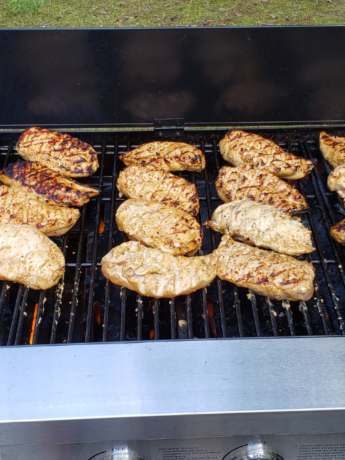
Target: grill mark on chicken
column 151, row 272
column 262, row 225
column 19, row 207
column 336, row 181
column 338, row 232
column 238, row 147
column 157, row 185
column 160, row 226
column 47, row 184
column 169, row 156
column 267, row 273
column 29, row 257
column 247, row 182
column 61, row 153
column 333, row 149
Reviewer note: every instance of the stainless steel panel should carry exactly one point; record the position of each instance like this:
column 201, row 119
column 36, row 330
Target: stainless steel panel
column 309, row 447
column 95, row 392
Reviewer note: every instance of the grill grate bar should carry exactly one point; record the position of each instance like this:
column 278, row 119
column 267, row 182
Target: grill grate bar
column 304, row 309
column 139, row 317
column 237, row 306
column 189, row 316
column 172, row 317
column 39, row 315
column 320, row 305
column 76, row 276
column 288, row 312
column 155, row 310
column 8, row 153
column 110, row 245
column 273, row 315
column 93, row 269
column 58, row 297
column 213, row 240
column 123, row 295
column 5, row 288
column 255, row 312
column 22, row 315
column 205, row 313
column 15, row 315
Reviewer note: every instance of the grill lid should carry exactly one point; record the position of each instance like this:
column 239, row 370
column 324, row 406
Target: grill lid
column 213, row 76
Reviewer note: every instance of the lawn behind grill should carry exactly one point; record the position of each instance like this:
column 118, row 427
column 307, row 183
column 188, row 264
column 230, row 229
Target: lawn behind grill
column 174, row 13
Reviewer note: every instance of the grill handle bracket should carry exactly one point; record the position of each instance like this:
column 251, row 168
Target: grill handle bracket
column 167, row 127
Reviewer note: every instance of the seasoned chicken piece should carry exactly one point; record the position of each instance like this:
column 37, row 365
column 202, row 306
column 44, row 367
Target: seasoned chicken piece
column 60, row 152
column 158, row 185
column 20, row 207
column 151, row 272
column 29, row 257
column 170, row 156
column 239, row 147
column 336, row 181
column 264, row 272
column 262, row 225
column 159, row 226
column 333, row 149
column 248, row 183
column 47, row 184
column 338, row 232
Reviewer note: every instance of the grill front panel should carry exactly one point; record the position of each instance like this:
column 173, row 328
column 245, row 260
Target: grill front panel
column 84, row 307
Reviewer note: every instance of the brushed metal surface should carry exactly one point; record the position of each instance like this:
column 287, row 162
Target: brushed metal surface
column 309, row 447
column 95, row 392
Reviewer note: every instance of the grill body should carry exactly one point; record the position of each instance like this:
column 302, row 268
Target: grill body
column 200, row 375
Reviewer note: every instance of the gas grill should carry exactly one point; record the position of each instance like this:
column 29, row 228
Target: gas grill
column 175, row 378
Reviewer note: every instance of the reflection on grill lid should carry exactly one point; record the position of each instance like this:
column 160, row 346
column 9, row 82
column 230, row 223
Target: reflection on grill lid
column 86, row 307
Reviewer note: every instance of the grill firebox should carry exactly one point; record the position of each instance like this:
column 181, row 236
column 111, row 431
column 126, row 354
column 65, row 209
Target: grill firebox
column 84, row 307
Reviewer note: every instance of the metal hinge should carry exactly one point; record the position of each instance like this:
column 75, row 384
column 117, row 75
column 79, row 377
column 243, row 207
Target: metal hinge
column 168, row 123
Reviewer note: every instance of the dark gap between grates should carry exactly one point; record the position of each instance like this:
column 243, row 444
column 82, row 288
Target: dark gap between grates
column 86, row 307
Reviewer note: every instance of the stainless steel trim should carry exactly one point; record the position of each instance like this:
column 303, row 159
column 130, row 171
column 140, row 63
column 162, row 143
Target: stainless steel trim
column 180, row 389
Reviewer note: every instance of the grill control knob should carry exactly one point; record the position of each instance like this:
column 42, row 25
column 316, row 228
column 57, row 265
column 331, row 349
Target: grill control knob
column 253, row 451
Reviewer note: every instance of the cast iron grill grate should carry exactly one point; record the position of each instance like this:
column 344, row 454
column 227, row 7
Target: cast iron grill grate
column 85, row 307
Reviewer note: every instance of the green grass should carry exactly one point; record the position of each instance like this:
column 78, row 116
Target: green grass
column 173, row 13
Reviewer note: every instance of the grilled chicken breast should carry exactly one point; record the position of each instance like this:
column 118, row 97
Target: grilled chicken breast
column 248, row 183
column 151, row 272
column 29, row 257
column 338, row 232
column 333, row 149
column 158, row 185
column 336, row 181
column 60, row 152
column 239, row 147
column 20, row 207
column 264, row 272
column 262, row 225
column 170, row 156
column 159, row 226
column 47, row 184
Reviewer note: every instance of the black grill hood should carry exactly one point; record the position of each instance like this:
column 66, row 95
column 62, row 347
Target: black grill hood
column 207, row 76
